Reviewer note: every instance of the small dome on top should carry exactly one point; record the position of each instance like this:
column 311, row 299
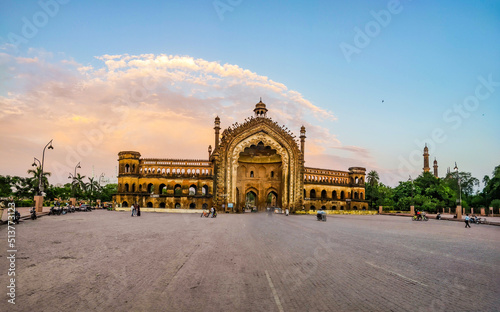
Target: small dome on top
column 260, row 109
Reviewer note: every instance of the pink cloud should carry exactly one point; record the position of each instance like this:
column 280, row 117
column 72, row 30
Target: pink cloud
column 159, row 105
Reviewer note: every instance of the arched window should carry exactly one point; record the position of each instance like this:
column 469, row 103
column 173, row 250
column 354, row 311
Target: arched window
column 251, row 174
column 272, row 174
column 133, row 188
column 125, row 204
column 334, row 194
column 177, row 205
column 168, row 170
column 177, row 190
column 189, row 171
column 355, row 195
column 361, row 196
column 204, row 190
column 183, row 171
column 312, row 194
column 342, row 195
column 323, row 207
column 192, row 190
column 323, row 194
column 204, row 206
column 140, row 187
column 312, row 208
column 126, row 187
column 356, row 180
column 162, row 205
column 192, row 206
column 162, row 189
column 149, row 205
column 151, row 188
column 133, row 168
column 127, row 168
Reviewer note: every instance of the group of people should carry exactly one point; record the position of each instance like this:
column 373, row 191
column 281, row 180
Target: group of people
column 212, row 213
column 136, row 210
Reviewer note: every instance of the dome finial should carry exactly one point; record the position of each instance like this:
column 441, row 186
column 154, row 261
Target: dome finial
column 260, row 109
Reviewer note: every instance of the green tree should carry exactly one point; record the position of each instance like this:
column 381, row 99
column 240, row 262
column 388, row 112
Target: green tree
column 6, row 184
column 108, row 191
column 34, row 180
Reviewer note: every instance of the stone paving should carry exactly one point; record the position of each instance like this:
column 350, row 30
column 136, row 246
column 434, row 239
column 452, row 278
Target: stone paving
column 109, row 261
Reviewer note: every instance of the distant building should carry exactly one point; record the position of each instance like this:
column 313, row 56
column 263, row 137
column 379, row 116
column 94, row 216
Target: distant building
column 257, row 163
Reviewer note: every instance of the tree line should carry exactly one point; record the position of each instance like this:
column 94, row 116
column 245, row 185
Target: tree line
column 23, row 189
column 432, row 194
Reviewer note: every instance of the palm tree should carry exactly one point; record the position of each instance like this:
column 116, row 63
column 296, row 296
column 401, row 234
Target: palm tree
column 36, row 178
column 372, row 178
column 92, row 186
column 78, row 185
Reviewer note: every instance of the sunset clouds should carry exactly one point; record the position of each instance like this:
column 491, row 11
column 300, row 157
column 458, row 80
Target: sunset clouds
column 160, row 105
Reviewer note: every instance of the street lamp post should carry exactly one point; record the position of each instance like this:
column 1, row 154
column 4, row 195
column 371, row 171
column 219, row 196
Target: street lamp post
column 459, row 207
column 39, row 197
column 73, row 176
column 412, row 207
column 99, row 191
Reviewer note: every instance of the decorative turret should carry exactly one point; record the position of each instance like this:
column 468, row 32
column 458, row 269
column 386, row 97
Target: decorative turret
column 302, row 139
column 435, row 168
column 217, row 129
column 209, row 151
column 426, row 159
column 260, row 109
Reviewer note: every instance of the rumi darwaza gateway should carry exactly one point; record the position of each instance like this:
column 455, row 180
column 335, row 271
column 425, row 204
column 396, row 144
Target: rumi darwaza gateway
column 255, row 164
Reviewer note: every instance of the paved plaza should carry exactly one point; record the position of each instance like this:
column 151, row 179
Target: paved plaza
column 109, row 261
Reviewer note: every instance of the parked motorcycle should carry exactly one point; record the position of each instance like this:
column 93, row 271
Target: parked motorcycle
column 17, row 217
column 33, row 213
column 476, row 220
column 321, row 216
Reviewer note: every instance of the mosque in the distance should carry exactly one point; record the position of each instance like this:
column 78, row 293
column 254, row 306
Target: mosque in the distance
column 255, row 164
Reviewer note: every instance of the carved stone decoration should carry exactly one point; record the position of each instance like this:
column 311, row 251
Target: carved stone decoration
column 255, row 131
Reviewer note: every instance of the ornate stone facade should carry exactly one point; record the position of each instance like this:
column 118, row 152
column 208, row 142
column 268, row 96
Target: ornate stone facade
column 257, row 163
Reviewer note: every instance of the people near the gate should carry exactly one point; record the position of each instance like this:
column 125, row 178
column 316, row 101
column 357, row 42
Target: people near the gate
column 467, row 218
column 133, row 210
column 212, row 209
column 138, row 210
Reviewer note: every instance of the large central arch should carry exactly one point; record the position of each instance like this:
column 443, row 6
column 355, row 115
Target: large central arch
column 270, row 134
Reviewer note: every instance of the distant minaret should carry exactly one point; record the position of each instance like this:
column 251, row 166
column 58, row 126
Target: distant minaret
column 302, row 139
column 435, row 168
column 426, row 159
column 217, row 129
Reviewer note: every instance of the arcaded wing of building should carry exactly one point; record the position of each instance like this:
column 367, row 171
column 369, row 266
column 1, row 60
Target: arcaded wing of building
column 257, row 163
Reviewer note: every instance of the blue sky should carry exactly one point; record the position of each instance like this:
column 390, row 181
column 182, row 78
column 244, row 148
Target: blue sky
column 385, row 100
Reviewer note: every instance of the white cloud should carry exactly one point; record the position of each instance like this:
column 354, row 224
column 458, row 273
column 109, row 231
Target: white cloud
column 160, row 105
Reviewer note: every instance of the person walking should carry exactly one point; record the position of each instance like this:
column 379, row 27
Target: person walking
column 467, row 221
column 138, row 210
column 133, row 210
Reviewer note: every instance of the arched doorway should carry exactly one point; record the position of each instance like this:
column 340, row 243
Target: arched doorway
column 259, row 176
column 272, row 199
column 251, row 199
